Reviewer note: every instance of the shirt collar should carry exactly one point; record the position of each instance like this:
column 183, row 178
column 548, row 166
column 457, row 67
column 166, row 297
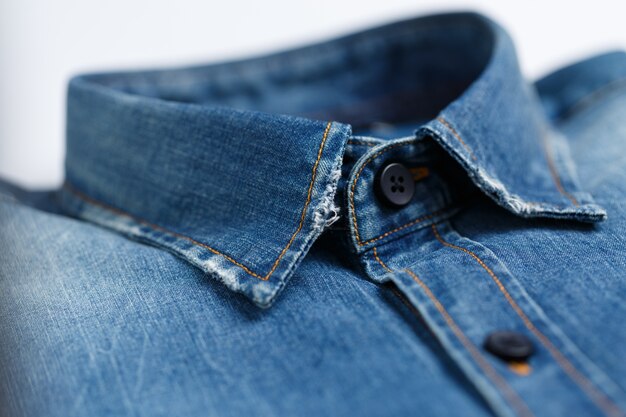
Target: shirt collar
column 166, row 158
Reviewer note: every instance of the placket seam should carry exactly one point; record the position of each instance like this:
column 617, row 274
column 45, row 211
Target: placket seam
column 601, row 400
column 516, row 403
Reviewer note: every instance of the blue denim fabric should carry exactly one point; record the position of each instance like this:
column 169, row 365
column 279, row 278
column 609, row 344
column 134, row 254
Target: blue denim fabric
column 149, row 283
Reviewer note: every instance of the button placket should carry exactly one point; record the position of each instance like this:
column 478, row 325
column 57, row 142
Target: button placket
column 388, row 195
column 468, row 305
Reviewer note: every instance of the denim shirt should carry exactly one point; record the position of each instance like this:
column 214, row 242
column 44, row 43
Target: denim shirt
column 220, row 245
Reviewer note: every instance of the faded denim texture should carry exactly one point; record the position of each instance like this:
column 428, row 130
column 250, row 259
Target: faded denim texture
column 218, row 247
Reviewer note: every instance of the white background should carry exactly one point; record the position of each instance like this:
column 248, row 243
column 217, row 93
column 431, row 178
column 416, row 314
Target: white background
column 43, row 42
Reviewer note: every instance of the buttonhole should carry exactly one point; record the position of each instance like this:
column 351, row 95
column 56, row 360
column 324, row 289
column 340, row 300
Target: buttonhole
column 419, row 173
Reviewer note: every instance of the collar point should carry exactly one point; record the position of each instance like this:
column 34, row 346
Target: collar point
column 587, row 212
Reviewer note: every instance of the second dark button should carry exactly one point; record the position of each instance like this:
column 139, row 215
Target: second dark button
column 510, row 346
column 395, row 185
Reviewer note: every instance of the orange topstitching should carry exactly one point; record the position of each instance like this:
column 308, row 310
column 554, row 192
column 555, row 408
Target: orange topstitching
column 375, row 252
column 456, row 135
column 554, row 173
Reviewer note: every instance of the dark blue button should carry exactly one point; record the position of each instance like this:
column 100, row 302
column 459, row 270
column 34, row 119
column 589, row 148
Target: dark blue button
column 510, row 346
column 394, row 184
